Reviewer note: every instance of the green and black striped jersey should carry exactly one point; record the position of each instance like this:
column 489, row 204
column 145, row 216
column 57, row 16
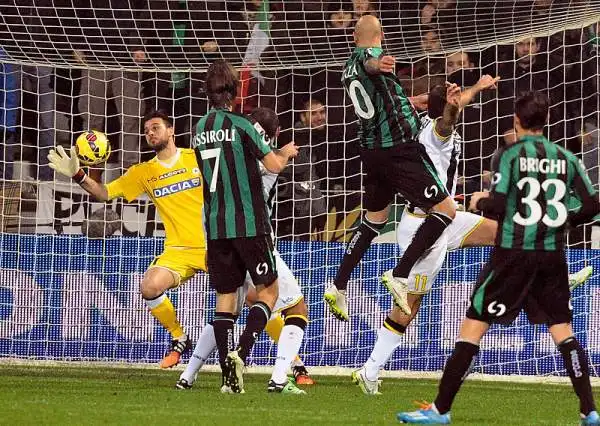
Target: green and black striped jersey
column 386, row 116
column 228, row 146
column 537, row 181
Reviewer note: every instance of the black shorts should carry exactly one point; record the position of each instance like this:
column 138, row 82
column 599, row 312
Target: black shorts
column 230, row 259
column 511, row 280
column 402, row 169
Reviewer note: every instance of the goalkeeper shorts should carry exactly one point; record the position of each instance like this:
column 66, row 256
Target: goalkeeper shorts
column 183, row 262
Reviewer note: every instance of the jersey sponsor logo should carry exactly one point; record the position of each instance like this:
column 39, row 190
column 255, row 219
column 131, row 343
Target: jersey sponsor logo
column 176, row 187
column 431, row 191
column 213, row 136
column 543, row 165
column 171, row 173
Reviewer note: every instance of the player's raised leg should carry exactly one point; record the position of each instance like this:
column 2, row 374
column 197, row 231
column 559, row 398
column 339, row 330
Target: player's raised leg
column 156, row 281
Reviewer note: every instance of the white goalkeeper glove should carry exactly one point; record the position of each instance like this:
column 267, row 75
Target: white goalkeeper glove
column 60, row 161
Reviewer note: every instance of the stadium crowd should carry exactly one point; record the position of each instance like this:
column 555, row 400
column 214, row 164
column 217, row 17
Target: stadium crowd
column 42, row 104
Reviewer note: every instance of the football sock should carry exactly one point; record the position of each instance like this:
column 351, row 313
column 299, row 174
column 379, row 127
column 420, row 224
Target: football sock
column 455, row 372
column 223, row 328
column 274, row 327
column 389, row 337
column 427, row 234
column 579, row 372
column 205, row 346
column 255, row 323
column 163, row 310
column 355, row 250
column 288, row 346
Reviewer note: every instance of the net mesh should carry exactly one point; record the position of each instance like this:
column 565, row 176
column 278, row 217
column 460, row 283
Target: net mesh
column 71, row 267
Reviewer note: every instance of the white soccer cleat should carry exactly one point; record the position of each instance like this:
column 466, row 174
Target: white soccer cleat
column 580, row 277
column 398, row 287
column 369, row 387
column 337, row 302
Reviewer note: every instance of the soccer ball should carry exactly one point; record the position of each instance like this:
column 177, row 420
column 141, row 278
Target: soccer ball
column 92, row 147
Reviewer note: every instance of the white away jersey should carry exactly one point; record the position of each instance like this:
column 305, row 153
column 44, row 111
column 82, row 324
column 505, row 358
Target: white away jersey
column 268, row 180
column 444, row 152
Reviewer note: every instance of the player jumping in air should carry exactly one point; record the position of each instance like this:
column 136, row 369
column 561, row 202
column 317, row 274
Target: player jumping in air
column 394, row 162
column 228, row 148
column 527, row 268
column 443, row 145
column 290, row 301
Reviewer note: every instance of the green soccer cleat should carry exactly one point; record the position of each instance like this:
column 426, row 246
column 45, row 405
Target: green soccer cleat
column 337, row 302
column 234, row 366
column 288, row 388
column 369, row 387
column 580, row 277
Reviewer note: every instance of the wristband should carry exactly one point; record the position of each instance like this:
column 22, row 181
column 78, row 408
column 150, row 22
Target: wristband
column 79, row 177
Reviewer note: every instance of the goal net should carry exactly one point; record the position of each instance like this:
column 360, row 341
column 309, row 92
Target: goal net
column 70, row 267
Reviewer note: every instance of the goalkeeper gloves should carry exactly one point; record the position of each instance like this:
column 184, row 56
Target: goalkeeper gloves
column 60, row 161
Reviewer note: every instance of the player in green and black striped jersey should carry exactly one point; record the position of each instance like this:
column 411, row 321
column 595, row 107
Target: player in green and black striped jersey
column 528, row 267
column 394, row 162
column 228, row 148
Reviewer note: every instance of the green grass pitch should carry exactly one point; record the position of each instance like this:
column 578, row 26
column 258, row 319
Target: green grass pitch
column 101, row 395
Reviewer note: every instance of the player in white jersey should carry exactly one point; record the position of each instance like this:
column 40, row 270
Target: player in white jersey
column 443, row 145
column 290, row 302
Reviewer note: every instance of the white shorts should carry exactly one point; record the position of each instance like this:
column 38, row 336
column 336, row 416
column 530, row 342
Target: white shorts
column 427, row 268
column 289, row 289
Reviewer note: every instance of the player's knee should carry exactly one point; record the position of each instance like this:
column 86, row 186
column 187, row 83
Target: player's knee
column 446, row 207
column 150, row 289
column 298, row 309
column 399, row 317
column 378, row 217
column 268, row 294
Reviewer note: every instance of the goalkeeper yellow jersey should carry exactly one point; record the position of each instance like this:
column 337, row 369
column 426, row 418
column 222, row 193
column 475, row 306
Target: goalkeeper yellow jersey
column 175, row 188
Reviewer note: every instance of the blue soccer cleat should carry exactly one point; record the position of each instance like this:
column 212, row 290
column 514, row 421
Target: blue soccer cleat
column 427, row 415
column 591, row 419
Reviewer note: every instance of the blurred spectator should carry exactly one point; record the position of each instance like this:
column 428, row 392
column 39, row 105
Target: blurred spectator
column 590, row 151
column 117, row 26
column 429, row 12
column 430, row 42
column 310, row 131
column 362, row 7
column 9, row 104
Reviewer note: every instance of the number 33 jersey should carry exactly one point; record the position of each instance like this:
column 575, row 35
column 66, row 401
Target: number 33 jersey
column 537, row 181
column 175, row 188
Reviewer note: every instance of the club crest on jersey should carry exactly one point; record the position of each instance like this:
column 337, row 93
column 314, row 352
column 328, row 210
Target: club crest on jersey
column 176, row 187
column 171, row 173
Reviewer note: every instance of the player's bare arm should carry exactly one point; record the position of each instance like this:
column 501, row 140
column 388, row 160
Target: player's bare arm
column 381, row 65
column 277, row 160
column 444, row 126
column 69, row 166
column 485, row 82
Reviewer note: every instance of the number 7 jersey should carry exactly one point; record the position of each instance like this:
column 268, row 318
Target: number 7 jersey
column 228, row 147
column 537, row 179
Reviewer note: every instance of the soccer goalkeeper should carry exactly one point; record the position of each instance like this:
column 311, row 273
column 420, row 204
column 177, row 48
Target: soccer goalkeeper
column 172, row 181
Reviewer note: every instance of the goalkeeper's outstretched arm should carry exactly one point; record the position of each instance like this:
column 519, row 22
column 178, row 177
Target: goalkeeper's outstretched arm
column 67, row 166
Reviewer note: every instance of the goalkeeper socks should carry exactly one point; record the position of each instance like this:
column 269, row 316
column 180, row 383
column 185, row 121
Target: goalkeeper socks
column 579, row 372
column 255, row 323
column 455, row 372
column 425, row 237
column 163, row 310
column 358, row 245
column 288, row 346
column 274, row 327
column 223, row 328
column 389, row 337
column 205, row 346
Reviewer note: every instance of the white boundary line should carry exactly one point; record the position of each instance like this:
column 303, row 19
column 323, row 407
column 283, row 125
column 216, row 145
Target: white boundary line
column 316, row 371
